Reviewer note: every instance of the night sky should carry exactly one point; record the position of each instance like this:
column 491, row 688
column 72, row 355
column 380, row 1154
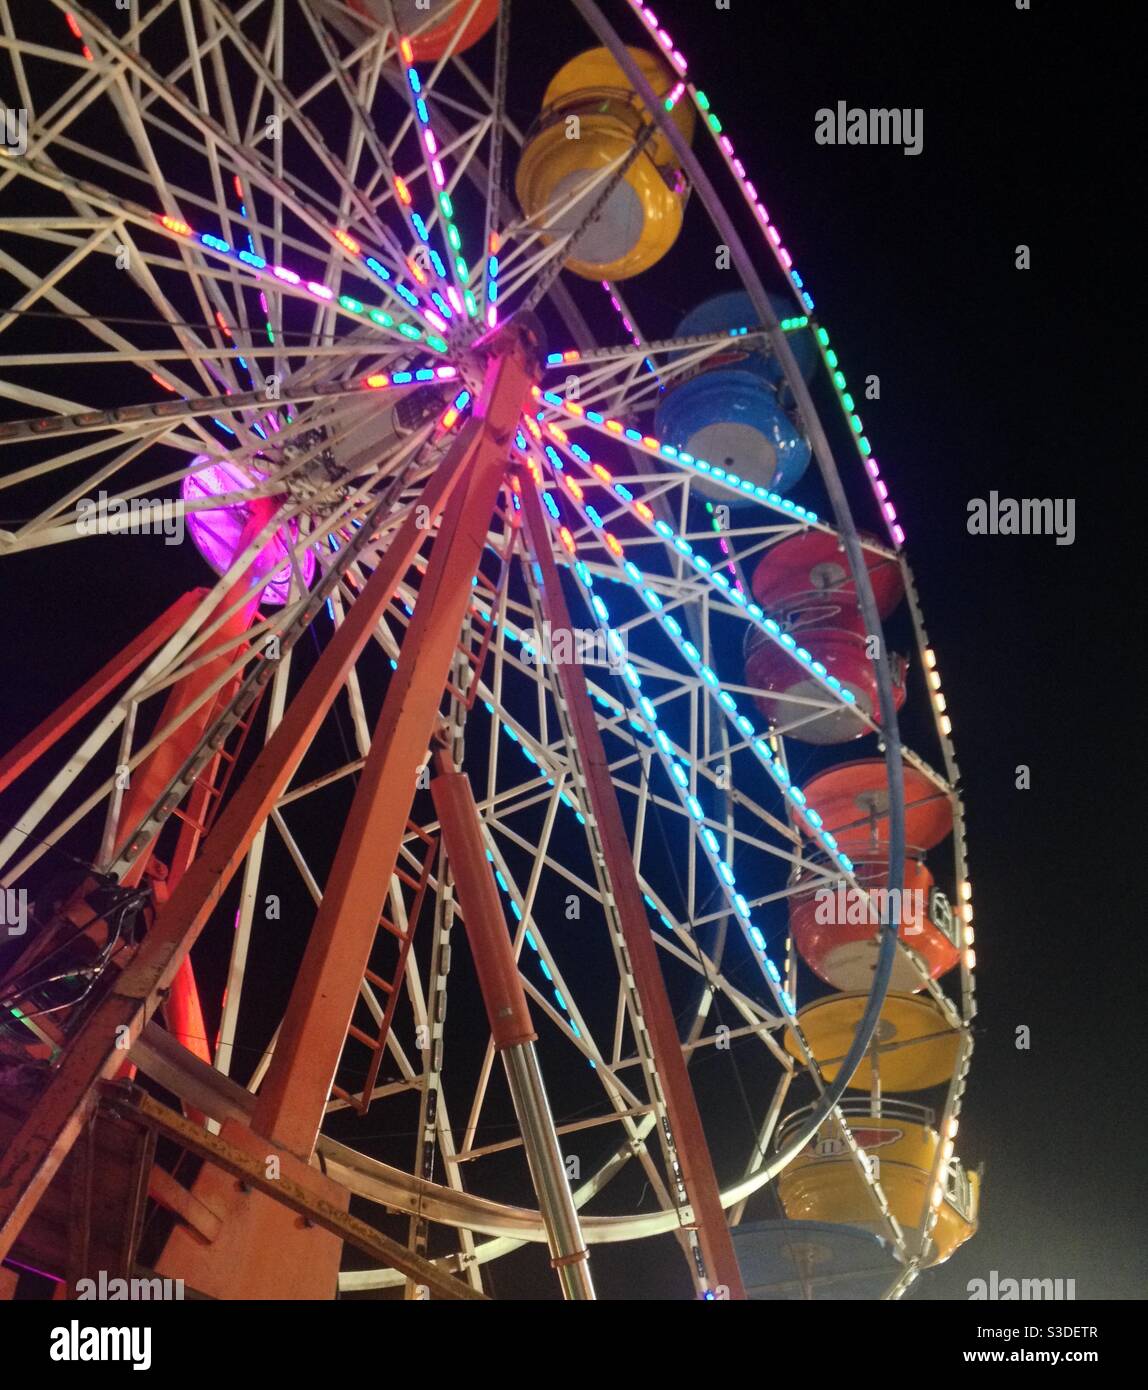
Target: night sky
column 985, row 384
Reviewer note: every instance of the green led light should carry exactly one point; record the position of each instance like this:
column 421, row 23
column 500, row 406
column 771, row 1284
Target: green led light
column 445, row 203
column 453, row 237
column 831, row 358
column 702, row 100
column 855, row 423
column 383, row 320
column 348, row 303
column 839, row 380
column 463, row 269
column 408, row 330
column 865, row 447
column 823, row 337
column 669, row 103
column 439, row 344
column 715, row 124
column 847, row 401
column 270, row 335
column 471, row 304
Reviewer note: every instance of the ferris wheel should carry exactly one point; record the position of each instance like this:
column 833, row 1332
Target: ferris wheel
column 535, row 711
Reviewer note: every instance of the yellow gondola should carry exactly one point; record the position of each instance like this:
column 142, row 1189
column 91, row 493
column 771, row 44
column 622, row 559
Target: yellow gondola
column 590, row 119
column 823, row 1182
column 916, row 1045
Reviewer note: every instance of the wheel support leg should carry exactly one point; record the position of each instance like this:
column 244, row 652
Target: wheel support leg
column 511, row 1026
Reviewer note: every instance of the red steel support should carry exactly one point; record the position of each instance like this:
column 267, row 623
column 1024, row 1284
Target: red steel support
column 698, row 1175
column 510, row 1025
column 298, row 1082
column 96, row 1050
column 182, row 1008
column 494, row 963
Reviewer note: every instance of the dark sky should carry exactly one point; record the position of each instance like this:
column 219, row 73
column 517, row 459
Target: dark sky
column 987, row 380
column 985, row 384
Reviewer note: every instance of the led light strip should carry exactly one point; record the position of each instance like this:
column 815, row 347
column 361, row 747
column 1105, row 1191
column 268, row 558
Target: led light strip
column 635, row 439
column 268, row 273
column 752, row 611
column 679, row 775
column 430, row 147
column 708, row 677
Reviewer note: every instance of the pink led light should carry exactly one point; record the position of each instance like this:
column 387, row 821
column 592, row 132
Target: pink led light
column 431, row 142
column 775, row 236
column 882, row 490
column 898, row 535
column 726, row 145
column 284, row 274
column 216, row 531
column 871, row 465
column 751, row 189
column 890, row 511
column 739, row 168
column 321, row 290
column 786, row 258
column 433, row 318
column 439, row 176
column 678, row 61
column 492, row 317
column 456, row 302
column 446, row 373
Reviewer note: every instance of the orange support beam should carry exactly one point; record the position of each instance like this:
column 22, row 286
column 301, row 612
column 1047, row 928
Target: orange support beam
column 298, row 1082
column 698, row 1175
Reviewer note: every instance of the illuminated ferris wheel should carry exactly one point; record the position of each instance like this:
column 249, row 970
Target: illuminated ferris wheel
column 512, row 719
